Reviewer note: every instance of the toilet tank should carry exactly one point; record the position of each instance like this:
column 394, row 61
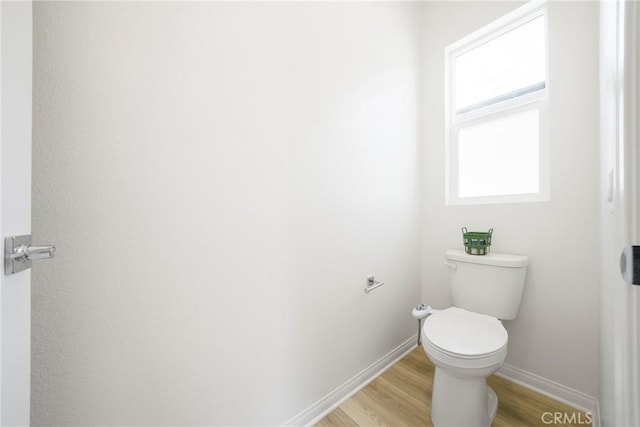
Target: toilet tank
column 489, row 284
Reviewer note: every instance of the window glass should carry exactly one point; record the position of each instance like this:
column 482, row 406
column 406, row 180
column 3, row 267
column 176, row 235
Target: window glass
column 508, row 63
column 499, row 156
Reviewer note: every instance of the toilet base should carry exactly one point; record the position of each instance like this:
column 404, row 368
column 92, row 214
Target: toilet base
column 462, row 401
column 492, row 403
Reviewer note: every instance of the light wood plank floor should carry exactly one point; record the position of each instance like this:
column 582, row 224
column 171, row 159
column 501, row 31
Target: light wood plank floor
column 402, row 397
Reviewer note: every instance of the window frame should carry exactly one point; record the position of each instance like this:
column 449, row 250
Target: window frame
column 533, row 99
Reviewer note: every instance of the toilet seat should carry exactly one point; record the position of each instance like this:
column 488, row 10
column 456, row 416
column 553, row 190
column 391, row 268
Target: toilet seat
column 463, row 337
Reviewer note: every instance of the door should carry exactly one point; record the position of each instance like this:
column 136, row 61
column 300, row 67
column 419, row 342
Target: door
column 15, row 207
column 620, row 211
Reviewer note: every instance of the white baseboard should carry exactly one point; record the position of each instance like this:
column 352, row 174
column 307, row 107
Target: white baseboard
column 331, row 401
column 553, row 390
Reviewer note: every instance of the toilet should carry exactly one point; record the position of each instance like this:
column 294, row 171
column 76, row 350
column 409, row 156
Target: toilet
column 467, row 342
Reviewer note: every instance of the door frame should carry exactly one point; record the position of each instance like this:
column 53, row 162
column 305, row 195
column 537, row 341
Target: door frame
column 620, row 210
column 16, row 63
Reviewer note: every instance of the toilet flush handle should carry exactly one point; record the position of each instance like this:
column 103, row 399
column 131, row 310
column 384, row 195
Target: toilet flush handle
column 451, row 265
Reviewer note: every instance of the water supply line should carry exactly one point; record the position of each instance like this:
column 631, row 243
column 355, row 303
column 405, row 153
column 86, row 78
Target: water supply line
column 420, row 312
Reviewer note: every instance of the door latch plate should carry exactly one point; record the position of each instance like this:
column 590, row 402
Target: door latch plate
column 11, row 244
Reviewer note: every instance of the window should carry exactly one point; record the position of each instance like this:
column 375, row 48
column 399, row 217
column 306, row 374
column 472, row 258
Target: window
column 497, row 148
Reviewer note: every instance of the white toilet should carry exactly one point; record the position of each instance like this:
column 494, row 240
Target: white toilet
column 467, row 342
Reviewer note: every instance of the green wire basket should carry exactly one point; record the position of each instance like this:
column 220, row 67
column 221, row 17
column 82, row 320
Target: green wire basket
column 476, row 243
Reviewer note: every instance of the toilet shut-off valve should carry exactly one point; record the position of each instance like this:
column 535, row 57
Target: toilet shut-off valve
column 420, row 312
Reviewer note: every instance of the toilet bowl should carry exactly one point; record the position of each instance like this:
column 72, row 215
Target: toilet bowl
column 466, row 348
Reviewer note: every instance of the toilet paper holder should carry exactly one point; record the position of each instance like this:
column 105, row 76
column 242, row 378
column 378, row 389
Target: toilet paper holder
column 372, row 283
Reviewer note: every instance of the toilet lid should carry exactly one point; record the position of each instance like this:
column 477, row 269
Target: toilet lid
column 465, row 333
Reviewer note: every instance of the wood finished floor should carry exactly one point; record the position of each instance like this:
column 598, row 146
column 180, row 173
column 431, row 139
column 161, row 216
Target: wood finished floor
column 402, row 397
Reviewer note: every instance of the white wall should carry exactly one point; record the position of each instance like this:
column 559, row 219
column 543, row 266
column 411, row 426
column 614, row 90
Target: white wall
column 219, row 179
column 555, row 335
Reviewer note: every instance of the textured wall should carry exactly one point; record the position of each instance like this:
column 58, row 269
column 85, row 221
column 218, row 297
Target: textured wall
column 555, row 335
column 219, row 179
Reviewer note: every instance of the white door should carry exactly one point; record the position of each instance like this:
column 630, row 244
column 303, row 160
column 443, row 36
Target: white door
column 15, row 207
column 620, row 213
